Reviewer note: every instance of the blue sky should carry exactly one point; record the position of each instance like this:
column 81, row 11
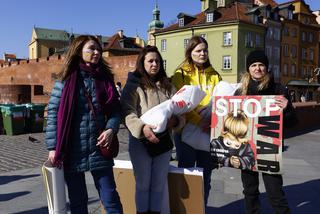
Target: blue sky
column 104, row 17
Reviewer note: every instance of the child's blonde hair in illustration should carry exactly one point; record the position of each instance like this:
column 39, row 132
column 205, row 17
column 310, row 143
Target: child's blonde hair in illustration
column 236, row 127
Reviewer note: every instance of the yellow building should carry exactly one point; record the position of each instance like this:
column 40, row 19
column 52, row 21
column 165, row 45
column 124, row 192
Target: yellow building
column 46, row 42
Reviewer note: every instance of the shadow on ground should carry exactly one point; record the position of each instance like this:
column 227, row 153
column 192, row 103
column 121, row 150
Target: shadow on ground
column 7, row 179
column 42, row 210
column 303, row 198
column 9, row 196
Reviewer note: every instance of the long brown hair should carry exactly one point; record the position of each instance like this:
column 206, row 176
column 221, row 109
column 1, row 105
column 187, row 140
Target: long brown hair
column 194, row 41
column 74, row 57
column 146, row 80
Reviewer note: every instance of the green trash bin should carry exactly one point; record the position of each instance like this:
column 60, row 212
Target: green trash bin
column 13, row 119
column 34, row 117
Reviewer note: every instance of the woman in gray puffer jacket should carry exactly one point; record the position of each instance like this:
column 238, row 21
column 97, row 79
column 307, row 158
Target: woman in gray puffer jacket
column 75, row 129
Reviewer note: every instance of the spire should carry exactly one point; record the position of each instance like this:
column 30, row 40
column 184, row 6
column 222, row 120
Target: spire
column 156, row 23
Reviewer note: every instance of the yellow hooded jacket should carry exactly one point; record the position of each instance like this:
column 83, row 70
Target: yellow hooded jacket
column 207, row 79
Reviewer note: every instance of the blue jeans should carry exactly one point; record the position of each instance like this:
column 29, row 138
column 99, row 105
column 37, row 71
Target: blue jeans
column 190, row 157
column 150, row 174
column 105, row 184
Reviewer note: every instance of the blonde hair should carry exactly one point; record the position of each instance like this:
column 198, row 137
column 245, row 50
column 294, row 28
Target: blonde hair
column 245, row 79
column 236, row 127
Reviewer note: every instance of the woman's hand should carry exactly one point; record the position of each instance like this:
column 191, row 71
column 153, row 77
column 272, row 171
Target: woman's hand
column 172, row 122
column 51, row 155
column 148, row 133
column 205, row 124
column 235, row 162
column 282, row 102
column 105, row 138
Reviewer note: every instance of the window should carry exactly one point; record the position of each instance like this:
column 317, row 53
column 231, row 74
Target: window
column 221, row 3
column 203, row 35
column 290, row 14
column 255, row 19
column 285, row 69
column 163, row 44
column 303, row 53
column 293, row 70
column 185, row 43
column 227, row 40
column 226, row 62
column 301, row 72
column 306, row 20
column 249, row 41
column 165, row 64
column 303, row 37
column 276, row 52
column 311, row 55
column 210, row 17
column 285, row 31
column 268, row 14
column 38, row 90
column 304, row 72
column 276, row 35
column 270, row 33
column 51, row 51
column 181, row 22
column 294, row 32
column 276, row 72
column 258, row 40
column 269, row 51
column 293, row 51
column 311, row 37
column 285, row 50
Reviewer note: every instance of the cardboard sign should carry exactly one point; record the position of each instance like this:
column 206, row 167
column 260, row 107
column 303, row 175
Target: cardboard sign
column 246, row 133
column 183, row 193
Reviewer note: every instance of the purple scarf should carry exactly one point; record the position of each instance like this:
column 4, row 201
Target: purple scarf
column 106, row 96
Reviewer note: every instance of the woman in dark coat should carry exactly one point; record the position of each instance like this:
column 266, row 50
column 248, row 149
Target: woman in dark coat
column 258, row 81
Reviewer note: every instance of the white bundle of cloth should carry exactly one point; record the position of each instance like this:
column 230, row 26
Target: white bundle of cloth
column 192, row 134
column 185, row 100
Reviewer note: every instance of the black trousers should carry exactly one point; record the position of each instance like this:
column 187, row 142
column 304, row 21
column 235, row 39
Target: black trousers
column 273, row 185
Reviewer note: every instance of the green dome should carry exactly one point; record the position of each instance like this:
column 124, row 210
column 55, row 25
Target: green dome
column 156, row 24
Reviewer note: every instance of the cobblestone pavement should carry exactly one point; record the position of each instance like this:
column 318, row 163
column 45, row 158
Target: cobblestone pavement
column 28, row 150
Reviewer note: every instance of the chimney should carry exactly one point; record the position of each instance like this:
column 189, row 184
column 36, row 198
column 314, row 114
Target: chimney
column 120, row 33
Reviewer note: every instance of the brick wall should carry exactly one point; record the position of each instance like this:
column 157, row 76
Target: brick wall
column 121, row 65
column 40, row 72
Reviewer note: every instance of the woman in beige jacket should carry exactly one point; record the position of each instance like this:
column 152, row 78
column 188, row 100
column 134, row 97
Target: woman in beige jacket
column 147, row 87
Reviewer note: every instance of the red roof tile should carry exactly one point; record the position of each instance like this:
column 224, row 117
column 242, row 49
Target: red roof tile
column 234, row 12
column 10, row 56
column 271, row 2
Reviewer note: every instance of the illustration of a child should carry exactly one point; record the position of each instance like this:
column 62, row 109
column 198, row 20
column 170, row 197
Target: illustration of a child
column 232, row 148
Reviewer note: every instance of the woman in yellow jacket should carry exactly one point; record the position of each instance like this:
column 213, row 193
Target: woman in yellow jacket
column 196, row 70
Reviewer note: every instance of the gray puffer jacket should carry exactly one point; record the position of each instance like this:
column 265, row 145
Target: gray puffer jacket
column 83, row 155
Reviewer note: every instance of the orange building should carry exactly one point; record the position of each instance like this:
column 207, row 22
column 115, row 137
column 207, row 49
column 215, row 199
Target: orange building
column 300, row 50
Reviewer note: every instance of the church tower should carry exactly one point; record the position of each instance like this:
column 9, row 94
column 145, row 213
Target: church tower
column 154, row 25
